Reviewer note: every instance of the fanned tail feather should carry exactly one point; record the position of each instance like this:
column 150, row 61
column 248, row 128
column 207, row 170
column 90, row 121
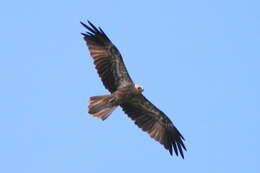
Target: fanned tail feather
column 101, row 106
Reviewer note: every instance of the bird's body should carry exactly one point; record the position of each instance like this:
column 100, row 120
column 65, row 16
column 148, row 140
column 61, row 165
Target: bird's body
column 119, row 97
column 124, row 93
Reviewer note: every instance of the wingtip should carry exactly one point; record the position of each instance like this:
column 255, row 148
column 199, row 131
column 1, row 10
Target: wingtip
column 170, row 150
column 89, row 22
column 177, row 154
column 83, row 24
column 184, row 147
column 93, row 26
column 180, row 141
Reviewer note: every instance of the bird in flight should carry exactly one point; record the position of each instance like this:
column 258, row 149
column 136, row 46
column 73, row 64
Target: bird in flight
column 126, row 94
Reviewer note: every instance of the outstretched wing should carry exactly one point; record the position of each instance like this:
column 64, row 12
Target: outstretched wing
column 107, row 58
column 153, row 121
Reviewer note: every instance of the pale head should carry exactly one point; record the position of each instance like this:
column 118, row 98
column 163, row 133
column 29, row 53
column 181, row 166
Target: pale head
column 139, row 88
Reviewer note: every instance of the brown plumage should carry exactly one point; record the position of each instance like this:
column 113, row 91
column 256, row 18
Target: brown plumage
column 113, row 73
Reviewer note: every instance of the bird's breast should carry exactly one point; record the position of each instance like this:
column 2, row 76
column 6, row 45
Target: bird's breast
column 125, row 94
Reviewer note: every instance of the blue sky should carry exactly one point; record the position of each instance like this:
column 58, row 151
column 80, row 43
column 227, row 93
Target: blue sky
column 199, row 62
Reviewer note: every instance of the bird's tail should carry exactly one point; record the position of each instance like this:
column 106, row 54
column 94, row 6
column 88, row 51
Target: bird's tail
column 101, row 106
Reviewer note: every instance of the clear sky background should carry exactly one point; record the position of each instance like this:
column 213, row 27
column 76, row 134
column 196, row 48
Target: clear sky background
column 199, row 62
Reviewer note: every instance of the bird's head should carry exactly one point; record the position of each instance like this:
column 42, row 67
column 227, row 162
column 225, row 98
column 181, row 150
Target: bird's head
column 139, row 88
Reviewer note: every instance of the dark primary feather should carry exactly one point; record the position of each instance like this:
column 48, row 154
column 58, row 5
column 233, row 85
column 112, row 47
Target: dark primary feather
column 153, row 121
column 107, row 58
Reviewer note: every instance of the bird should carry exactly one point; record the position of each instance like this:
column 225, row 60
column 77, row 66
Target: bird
column 125, row 93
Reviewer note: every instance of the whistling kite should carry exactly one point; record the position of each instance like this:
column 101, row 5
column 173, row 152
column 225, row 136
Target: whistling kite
column 125, row 93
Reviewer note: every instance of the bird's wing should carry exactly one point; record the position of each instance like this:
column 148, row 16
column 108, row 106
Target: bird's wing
column 107, row 58
column 153, row 121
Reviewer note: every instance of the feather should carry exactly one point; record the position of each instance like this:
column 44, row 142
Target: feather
column 100, row 46
column 155, row 123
